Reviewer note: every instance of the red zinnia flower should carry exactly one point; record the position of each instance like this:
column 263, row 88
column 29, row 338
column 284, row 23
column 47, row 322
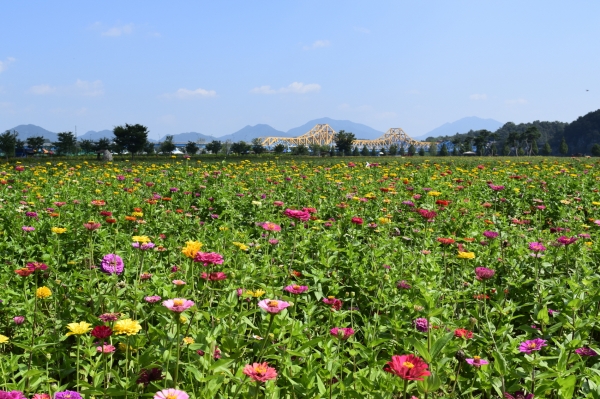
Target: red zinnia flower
column 463, row 333
column 357, row 220
column 446, row 241
column 24, row 272
column 101, row 332
column 407, row 367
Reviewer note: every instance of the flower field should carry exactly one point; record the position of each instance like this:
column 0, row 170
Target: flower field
column 453, row 278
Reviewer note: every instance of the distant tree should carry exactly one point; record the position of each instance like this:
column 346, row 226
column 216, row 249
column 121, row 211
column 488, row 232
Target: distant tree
column 167, row 146
column 564, row 148
column 547, row 150
column 534, row 148
column 279, row 149
column 191, row 148
column 596, row 150
column 412, row 150
column 104, row 144
column 133, row 138
column 240, row 147
column 8, row 143
column 433, row 149
column 443, row 151
column 35, row 142
column 455, row 145
column 355, row 152
column 87, row 146
column 513, row 140
column 506, row 150
column 214, row 146
column 66, row 144
column 401, row 151
column 365, row 151
column 493, row 149
column 374, row 152
column 226, row 149
column 520, row 151
column 382, row 151
column 393, row 150
column 315, row 149
column 257, row 146
column 422, row 151
column 20, row 143
column 300, row 150
column 149, row 148
column 343, row 141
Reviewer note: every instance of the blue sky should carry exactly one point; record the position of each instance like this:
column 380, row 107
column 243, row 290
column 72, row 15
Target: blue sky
column 214, row 67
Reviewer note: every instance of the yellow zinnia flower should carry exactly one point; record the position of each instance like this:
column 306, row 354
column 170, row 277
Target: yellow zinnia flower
column 191, row 248
column 384, row 220
column 43, row 292
column 3, row 339
column 58, row 230
column 141, row 239
column 183, row 319
column 256, row 294
column 466, row 255
column 78, row 328
column 434, row 193
column 188, row 340
column 127, row 326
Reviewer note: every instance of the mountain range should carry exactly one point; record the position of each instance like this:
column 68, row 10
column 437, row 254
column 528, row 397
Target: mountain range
column 248, row 133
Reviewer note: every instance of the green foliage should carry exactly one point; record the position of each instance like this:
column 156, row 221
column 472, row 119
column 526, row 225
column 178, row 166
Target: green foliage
column 443, row 151
column 66, row 144
column 132, row 138
column 35, row 142
column 422, row 151
column 581, row 134
column 343, row 141
column 240, row 147
column 8, row 143
column 87, row 146
column 564, row 148
column 433, row 149
column 257, row 146
column 279, row 149
column 365, row 151
column 412, row 150
column 393, row 150
column 191, row 148
column 214, row 146
column 547, row 150
column 167, row 146
column 596, row 150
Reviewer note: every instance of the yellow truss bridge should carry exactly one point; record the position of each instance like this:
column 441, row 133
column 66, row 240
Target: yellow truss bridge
column 323, row 134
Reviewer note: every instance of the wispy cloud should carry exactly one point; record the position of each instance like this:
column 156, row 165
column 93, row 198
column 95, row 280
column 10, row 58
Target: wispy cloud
column 80, row 88
column 4, row 64
column 42, row 89
column 362, row 30
column 187, row 94
column 518, row 101
column 119, row 30
column 318, row 44
column 295, row 88
column 478, row 97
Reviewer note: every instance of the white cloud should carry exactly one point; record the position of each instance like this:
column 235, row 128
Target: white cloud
column 80, row 87
column 91, row 89
column 318, row 44
column 117, row 31
column 185, row 94
column 42, row 89
column 518, row 101
column 362, row 30
column 296, row 88
column 4, row 64
column 478, row 97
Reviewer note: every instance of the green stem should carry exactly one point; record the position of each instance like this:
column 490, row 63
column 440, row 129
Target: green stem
column 266, row 336
column 77, row 371
column 405, row 388
column 178, row 343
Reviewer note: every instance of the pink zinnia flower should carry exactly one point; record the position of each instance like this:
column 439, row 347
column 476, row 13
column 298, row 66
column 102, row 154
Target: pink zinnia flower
column 566, row 240
column 336, row 304
column 356, row 220
column 178, row 304
column 171, row 394
column 477, row 361
column 214, row 276
column 260, row 372
column 537, row 247
column 296, row 289
column 586, row 352
column 41, row 396
column 19, row 319
column 209, row 258
column 105, row 349
column 342, row 333
column 483, row 273
column 272, row 306
column 532, row 345
column 278, row 203
column 296, row 214
column 152, row 298
column 407, row 367
column 270, row 226
column 178, row 282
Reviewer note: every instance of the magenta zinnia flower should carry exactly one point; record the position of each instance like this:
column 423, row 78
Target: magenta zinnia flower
column 12, row 395
column 483, row 273
column 178, row 304
column 171, row 394
column 537, row 247
column 272, row 306
column 209, row 258
column 260, row 372
column 296, row 214
column 296, row 289
column 563, row 240
column 532, row 345
column 407, row 367
column 342, row 333
column 214, row 276
column 490, row 234
column 518, row 395
column 112, row 264
column 152, row 298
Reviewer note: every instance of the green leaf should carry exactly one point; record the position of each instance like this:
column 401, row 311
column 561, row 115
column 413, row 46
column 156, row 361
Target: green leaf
column 499, row 363
column 439, row 344
column 567, row 386
column 421, row 349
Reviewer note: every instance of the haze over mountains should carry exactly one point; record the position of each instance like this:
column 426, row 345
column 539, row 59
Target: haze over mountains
column 248, row 133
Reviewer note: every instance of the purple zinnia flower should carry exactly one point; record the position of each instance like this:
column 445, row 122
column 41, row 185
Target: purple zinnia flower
column 112, row 264
column 67, row 395
column 586, row 352
column 403, row 285
column 421, row 324
column 532, row 345
column 152, row 299
column 490, row 234
column 11, row 395
column 537, row 247
column 518, row 395
column 144, row 246
column 563, row 240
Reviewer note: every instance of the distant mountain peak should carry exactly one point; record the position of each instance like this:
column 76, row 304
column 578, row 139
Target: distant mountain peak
column 463, row 125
